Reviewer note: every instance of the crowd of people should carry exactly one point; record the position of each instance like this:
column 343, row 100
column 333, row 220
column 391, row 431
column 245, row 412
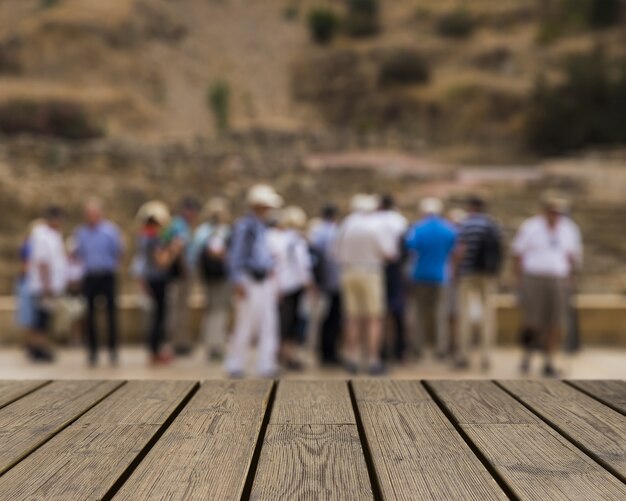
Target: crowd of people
column 364, row 292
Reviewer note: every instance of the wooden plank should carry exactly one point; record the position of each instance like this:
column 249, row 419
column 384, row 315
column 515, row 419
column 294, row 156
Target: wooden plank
column 10, row 391
column 593, row 426
column 534, row 460
column 415, row 449
column 208, row 449
column 612, row 393
column 30, row 421
column 87, row 459
column 312, row 454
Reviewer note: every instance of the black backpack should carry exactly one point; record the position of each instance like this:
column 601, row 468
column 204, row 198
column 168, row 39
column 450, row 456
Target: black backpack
column 489, row 254
column 212, row 268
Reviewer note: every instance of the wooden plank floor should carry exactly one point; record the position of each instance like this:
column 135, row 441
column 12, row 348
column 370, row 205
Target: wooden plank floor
column 352, row 440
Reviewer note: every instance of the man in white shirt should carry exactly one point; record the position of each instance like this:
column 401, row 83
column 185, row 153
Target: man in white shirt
column 362, row 251
column 547, row 251
column 395, row 225
column 47, row 277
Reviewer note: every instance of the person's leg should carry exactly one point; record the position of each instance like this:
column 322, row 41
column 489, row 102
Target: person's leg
column 265, row 308
column 244, row 326
column 90, row 291
column 374, row 304
column 442, row 335
column 351, row 295
column 488, row 288
column 179, row 316
column 464, row 322
column 331, row 328
column 158, row 293
column 110, row 294
column 556, row 320
column 422, row 318
column 216, row 317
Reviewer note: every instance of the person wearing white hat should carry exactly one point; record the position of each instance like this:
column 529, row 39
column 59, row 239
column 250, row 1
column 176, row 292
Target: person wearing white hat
column 431, row 242
column 251, row 271
column 547, row 250
column 293, row 277
column 362, row 250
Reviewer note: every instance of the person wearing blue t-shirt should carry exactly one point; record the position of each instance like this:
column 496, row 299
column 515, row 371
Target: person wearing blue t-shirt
column 431, row 242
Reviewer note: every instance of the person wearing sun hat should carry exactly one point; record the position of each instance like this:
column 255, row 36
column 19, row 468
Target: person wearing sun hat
column 251, row 269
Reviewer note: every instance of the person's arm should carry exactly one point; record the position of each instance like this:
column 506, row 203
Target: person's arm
column 236, row 259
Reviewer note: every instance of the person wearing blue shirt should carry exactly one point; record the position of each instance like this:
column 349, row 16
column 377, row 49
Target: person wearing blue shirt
column 99, row 248
column 431, row 242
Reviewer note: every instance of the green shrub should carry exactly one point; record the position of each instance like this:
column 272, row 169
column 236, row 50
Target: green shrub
column 363, row 18
column 47, row 4
column 563, row 17
column 323, row 24
column 54, row 118
column 403, row 66
column 586, row 109
column 604, row 13
column 219, row 101
column 456, row 24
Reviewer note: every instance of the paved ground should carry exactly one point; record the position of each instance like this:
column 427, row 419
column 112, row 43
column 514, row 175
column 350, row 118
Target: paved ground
column 592, row 363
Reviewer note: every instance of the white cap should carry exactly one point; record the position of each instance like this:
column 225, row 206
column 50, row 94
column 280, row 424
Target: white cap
column 265, row 196
column 363, row 203
column 431, row 205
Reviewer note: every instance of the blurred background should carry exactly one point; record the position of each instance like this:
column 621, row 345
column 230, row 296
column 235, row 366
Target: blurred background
column 134, row 100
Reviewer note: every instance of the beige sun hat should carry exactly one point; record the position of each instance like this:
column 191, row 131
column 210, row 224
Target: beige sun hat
column 154, row 209
column 293, row 217
column 216, row 207
column 362, row 202
column 264, row 195
column 555, row 201
column 431, row 205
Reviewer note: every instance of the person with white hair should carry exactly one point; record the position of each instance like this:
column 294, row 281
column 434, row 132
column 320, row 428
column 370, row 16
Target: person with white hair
column 209, row 254
column 293, row 277
column 251, row 271
column 431, row 242
column 362, row 251
column 547, row 250
column 99, row 247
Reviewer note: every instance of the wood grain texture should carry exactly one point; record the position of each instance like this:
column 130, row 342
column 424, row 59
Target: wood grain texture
column 416, row 451
column 592, row 425
column 312, row 452
column 207, row 451
column 12, row 390
column 86, row 459
column 534, row 460
column 33, row 419
column 612, row 393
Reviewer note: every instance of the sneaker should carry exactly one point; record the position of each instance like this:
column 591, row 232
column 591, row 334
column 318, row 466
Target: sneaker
column 161, row 359
column 40, row 355
column 183, row 351
column 351, row 367
column 294, row 365
column 461, row 364
column 524, row 367
column 215, row 356
column 550, row 371
column 377, row 369
column 485, row 365
column 236, row 375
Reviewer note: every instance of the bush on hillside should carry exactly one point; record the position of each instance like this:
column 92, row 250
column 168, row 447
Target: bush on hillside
column 403, row 66
column 604, row 13
column 62, row 119
column 586, row 109
column 456, row 24
column 323, row 24
column 218, row 98
column 363, row 18
column 562, row 17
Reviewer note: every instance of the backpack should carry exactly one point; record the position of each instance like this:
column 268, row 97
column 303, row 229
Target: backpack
column 489, row 255
column 211, row 266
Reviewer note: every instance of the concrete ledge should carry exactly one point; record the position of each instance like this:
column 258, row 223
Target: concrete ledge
column 602, row 318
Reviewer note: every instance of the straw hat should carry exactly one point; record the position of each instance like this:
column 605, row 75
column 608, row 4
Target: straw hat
column 156, row 210
column 431, row 205
column 363, row 203
column 264, row 195
column 216, row 207
column 293, row 217
column 556, row 202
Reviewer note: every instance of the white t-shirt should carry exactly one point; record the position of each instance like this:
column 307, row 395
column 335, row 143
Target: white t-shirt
column 293, row 260
column 393, row 222
column 362, row 241
column 47, row 248
column 546, row 251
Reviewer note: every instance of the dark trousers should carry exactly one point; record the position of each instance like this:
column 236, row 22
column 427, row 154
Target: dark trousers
column 156, row 334
column 395, row 290
column 289, row 310
column 103, row 285
column 330, row 329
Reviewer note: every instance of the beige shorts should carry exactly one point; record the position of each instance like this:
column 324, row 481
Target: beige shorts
column 363, row 292
column 544, row 302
